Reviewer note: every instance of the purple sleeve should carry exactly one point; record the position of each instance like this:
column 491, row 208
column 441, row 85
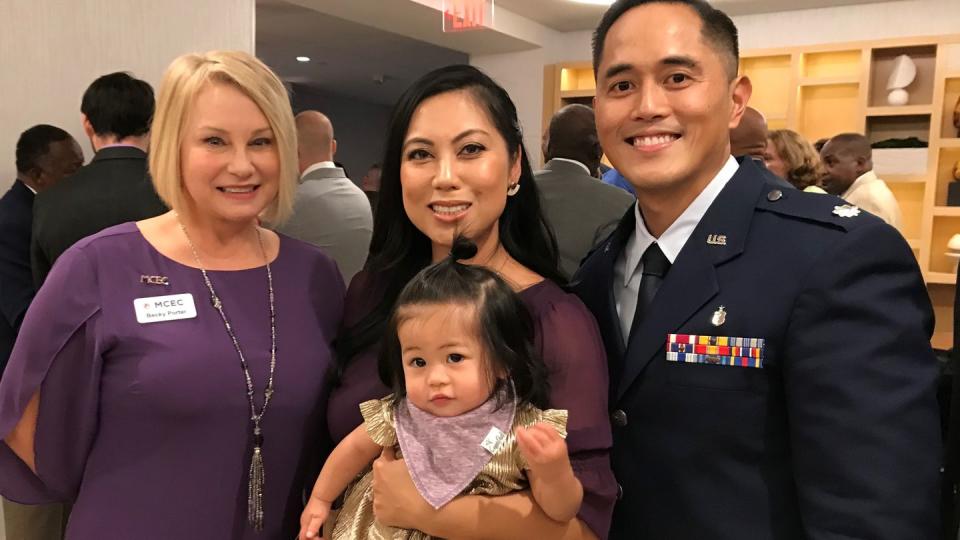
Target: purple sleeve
column 569, row 341
column 58, row 352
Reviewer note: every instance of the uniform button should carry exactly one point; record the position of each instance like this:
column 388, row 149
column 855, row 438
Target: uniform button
column 774, row 195
column 619, row 418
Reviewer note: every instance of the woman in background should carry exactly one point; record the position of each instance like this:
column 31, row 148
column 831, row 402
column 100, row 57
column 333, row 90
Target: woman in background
column 791, row 157
column 455, row 164
column 168, row 370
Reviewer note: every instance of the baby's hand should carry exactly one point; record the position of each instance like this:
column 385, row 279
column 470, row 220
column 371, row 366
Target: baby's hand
column 312, row 518
column 544, row 450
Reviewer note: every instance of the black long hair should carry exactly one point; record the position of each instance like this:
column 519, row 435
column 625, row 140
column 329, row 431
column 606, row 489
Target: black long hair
column 398, row 250
column 502, row 320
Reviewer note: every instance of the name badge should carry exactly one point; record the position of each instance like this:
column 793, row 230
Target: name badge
column 172, row 307
column 493, row 439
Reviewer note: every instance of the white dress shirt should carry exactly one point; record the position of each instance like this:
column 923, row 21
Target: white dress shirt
column 575, row 162
column 317, row 165
column 629, row 269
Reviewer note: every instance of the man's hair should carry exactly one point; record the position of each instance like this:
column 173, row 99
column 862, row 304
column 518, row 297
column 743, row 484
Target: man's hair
column 853, row 143
column 34, row 143
column 717, row 30
column 573, row 135
column 118, row 104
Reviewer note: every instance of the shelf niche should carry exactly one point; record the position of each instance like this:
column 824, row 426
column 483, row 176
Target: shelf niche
column 909, row 196
column 899, row 161
column 951, row 93
column 920, row 90
column 832, row 64
column 945, row 162
column 943, row 229
column 829, row 110
column 770, row 76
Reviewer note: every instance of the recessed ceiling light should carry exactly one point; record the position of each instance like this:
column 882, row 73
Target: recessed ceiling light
column 303, row 59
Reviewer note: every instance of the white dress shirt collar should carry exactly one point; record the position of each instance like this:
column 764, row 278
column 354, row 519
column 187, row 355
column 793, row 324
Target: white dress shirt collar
column 575, row 162
column 316, row 166
column 673, row 239
column 864, row 178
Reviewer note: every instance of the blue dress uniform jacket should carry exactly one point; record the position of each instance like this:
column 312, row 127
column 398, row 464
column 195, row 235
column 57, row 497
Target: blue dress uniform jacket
column 834, row 436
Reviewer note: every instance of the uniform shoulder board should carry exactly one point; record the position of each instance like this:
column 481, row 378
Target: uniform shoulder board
column 818, row 207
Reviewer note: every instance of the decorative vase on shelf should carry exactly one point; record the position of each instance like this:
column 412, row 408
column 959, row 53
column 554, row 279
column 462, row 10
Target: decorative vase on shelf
column 953, row 188
column 953, row 250
column 903, row 74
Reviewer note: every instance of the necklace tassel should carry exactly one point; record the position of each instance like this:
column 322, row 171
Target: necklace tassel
column 255, row 491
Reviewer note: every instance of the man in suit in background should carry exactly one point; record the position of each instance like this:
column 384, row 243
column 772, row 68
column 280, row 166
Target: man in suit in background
column 329, row 211
column 114, row 187
column 770, row 365
column 45, row 155
column 581, row 209
column 848, row 160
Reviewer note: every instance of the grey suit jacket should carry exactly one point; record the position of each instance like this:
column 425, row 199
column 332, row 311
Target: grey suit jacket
column 581, row 209
column 333, row 213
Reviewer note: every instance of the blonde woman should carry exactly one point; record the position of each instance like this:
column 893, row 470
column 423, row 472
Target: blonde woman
column 791, row 157
column 169, row 370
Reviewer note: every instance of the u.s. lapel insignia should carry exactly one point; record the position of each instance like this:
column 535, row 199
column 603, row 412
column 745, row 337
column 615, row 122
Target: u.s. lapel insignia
column 155, row 280
column 717, row 239
column 719, row 317
column 846, row 210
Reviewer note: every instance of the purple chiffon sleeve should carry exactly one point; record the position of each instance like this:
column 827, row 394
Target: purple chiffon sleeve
column 569, row 341
column 58, row 352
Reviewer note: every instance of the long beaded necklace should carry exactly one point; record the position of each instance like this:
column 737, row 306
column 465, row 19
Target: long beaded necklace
column 256, row 477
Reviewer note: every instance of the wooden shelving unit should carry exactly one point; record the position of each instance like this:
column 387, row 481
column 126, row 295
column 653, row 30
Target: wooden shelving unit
column 826, row 89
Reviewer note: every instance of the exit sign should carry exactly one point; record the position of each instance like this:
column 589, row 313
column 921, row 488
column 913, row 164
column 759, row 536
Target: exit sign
column 461, row 15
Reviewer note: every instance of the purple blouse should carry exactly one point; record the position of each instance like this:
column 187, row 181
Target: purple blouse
column 146, row 426
column 569, row 342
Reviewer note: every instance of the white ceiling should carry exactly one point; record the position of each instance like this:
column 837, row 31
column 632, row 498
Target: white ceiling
column 566, row 15
column 355, row 51
column 347, row 58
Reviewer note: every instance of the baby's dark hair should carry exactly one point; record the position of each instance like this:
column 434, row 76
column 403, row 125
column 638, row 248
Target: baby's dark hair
column 503, row 321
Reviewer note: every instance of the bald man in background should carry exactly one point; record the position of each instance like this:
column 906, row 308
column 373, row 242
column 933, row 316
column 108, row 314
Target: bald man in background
column 848, row 160
column 749, row 138
column 329, row 211
column 580, row 208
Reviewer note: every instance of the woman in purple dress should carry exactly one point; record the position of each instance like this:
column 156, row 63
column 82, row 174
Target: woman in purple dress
column 455, row 163
column 168, row 371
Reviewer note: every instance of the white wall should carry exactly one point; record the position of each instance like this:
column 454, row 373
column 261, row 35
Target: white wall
column 522, row 73
column 359, row 127
column 51, row 50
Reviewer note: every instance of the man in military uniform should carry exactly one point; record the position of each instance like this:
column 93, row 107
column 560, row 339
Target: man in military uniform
column 770, row 367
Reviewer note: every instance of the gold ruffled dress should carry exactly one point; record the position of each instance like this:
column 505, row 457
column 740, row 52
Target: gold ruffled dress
column 503, row 474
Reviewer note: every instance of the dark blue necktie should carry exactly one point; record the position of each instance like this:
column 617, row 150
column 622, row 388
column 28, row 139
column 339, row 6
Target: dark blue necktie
column 655, row 268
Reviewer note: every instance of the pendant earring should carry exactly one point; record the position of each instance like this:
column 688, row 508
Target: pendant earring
column 513, row 189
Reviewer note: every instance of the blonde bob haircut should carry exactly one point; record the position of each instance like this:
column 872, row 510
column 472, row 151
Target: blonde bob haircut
column 804, row 168
column 182, row 82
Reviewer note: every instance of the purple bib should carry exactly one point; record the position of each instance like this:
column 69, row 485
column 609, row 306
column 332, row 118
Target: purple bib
column 445, row 454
